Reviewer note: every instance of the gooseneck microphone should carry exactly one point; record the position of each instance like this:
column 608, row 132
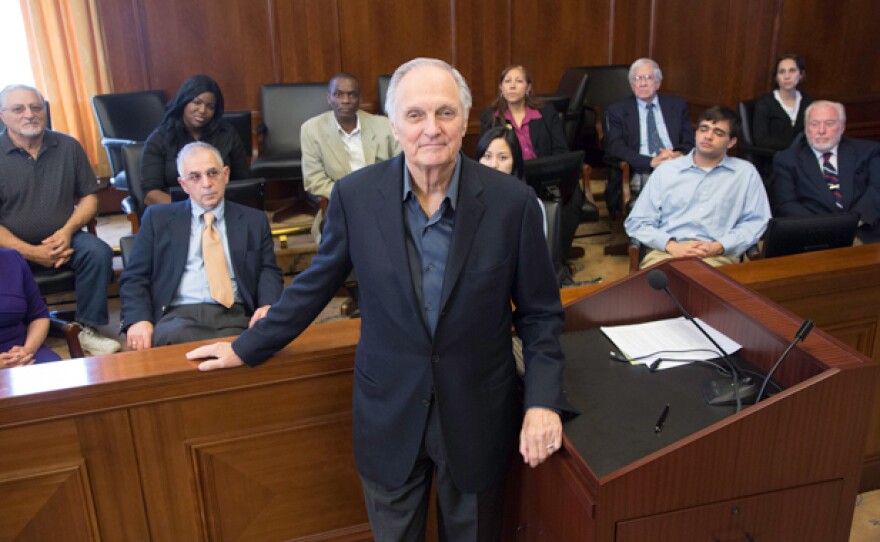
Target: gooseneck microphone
column 800, row 335
column 717, row 392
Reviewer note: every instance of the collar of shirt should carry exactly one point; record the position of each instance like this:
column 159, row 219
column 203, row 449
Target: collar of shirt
column 219, row 211
column 345, row 135
column 7, row 145
column 451, row 190
column 687, row 162
column 820, row 154
column 644, row 105
column 531, row 114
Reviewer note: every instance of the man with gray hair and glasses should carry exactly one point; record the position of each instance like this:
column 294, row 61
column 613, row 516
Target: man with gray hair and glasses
column 823, row 172
column 644, row 130
column 450, row 255
column 47, row 195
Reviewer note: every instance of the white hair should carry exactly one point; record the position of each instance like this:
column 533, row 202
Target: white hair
column 841, row 111
column 14, row 87
column 464, row 92
column 189, row 148
column 641, row 62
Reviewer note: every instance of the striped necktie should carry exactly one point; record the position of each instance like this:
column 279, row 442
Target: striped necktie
column 654, row 142
column 829, row 173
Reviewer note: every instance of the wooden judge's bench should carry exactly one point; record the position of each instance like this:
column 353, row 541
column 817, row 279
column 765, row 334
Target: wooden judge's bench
column 141, row 446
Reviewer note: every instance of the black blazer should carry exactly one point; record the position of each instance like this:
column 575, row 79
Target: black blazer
column 771, row 125
column 622, row 137
column 546, row 134
column 497, row 255
column 799, row 188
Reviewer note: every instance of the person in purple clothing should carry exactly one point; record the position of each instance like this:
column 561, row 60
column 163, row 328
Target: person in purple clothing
column 24, row 317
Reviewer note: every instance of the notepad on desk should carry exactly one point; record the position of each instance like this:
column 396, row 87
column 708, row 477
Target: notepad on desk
column 675, row 341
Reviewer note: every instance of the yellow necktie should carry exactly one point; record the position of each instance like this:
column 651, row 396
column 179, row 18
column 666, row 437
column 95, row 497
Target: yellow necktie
column 215, row 263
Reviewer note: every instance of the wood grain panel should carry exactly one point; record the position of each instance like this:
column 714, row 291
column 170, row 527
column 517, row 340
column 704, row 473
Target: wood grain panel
column 48, row 505
column 631, row 28
column 127, row 58
column 553, row 35
column 279, row 484
column 376, row 36
column 307, row 40
column 226, row 39
column 483, row 47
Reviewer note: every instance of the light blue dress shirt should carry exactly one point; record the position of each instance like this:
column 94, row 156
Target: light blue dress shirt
column 193, row 287
column 681, row 200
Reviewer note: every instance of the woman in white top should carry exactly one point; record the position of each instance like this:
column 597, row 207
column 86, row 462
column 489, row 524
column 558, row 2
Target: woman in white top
column 779, row 115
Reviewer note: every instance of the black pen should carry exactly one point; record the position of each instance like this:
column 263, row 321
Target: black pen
column 662, row 419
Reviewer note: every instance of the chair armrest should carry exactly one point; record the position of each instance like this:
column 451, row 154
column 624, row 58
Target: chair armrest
column 323, row 203
column 635, row 250
column 70, row 330
column 115, row 142
column 128, row 208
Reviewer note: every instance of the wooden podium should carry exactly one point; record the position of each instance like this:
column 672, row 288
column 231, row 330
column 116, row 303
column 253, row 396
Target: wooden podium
column 786, row 469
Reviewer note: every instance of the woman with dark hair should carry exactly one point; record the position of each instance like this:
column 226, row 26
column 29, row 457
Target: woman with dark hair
column 195, row 114
column 779, row 115
column 537, row 126
column 499, row 149
column 24, row 317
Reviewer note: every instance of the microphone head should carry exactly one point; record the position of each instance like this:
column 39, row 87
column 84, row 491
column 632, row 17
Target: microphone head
column 657, row 279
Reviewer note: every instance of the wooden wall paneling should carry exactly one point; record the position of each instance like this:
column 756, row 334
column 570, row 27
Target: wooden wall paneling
column 376, row 36
column 631, row 27
column 307, row 40
column 548, row 37
column 690, row 46
column 482, row 48
column 126, row 52
column 748, row 43
column 226, row 39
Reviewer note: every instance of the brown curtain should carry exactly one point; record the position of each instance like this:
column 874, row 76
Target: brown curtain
column 67, row 54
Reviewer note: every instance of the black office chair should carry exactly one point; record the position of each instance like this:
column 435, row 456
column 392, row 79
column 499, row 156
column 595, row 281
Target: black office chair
column 126, row 244
column 285, row 107
column 382, row 81
column 133, row 204
column 608, row 85
column 126, row 118
column 249, row 192
column 242, row 122
column 760, row 157
column 569, row 100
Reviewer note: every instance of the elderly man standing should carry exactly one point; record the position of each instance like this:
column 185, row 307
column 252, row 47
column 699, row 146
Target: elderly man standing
column 47, row 195
column 823, row 172
column 340, row 141
column 706, row 204
column 444, row 249
column 200, row 268
column 644, row 130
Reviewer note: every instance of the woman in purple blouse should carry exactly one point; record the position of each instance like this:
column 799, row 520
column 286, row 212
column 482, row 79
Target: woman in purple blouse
column 537, row 126
column 24, row 317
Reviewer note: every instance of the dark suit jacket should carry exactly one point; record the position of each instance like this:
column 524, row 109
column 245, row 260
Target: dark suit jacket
column 498, row 254
column 799, row 188
column 771, row 125
column 622, row 139
column 546, row 134
column 153, row 273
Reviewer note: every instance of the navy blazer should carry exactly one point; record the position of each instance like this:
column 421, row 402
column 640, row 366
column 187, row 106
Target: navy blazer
column 771, row 125
column 546, row 134
column 799, row 188
column 623, row 139
column 498, row 254
column 151, row 277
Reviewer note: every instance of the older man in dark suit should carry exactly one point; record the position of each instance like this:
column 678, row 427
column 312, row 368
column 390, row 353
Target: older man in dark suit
column 644, row 130
column 823, row 172
column 449, row 254
column 200, row 268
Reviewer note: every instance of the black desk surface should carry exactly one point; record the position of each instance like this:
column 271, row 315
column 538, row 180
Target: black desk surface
column 620, row 403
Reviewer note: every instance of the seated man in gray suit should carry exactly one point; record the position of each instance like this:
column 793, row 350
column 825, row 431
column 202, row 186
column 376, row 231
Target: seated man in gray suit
column 340, row 141
column 823, row 172
column 200, row 268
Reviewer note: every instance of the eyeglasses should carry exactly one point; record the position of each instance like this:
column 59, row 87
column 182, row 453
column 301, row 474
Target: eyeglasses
column 19, row 109
column 197, row 176
column 649, row 77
